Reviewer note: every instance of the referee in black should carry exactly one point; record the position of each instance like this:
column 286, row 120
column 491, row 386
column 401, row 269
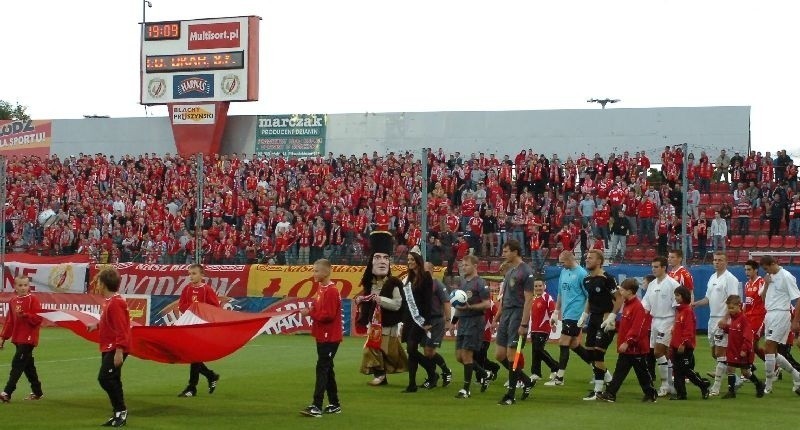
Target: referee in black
column 601, row 308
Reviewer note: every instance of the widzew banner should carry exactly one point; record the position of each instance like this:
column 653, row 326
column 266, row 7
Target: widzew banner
column 170, row 279
column 47, row 278
column 138, row 305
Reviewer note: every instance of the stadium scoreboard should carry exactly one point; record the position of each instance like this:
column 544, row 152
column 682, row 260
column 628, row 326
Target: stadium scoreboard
column 199, row 60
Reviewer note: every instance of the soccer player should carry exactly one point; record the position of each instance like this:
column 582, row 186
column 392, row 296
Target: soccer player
column 601, row 308
column 114, row 330
column 471, row 321
column 721, row 285
column 198, row 292
column 659, row 302
column 633, row 345
column 514, row 315
column 679, row 272
column 570, row 305
column 682, row 345
column 739, row 353
column 22, row 327
column 754, row 309
column 780, row 289
column 326, row 327
column 541, row 309
column 440, row 312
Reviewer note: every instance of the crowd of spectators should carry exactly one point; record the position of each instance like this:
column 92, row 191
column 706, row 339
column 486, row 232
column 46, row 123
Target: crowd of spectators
column 284, row 210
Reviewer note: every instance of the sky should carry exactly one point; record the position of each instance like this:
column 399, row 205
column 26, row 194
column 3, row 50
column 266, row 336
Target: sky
column 66, row 59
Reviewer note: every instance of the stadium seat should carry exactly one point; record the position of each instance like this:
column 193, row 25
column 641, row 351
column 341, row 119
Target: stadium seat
column 757, row 212
column 762, row 241
column 494, row 267
column 633, row 240
column 736, row 241
column 483, row 266
column 716, row 199
column 637, row 255
column 731, row 254
column 554, row 253
column 743, row 256
column 649, row 254
column 710, row 212
column 749, row 241
column 776, row 242
column 784, row 260
column 790, row 242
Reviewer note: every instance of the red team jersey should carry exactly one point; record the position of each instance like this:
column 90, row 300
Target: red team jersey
column 754, row 308
column 22, row 320
column 542, row 308
column 740, row 339
column 683, row 277
column 114, row 329
column 201, row 293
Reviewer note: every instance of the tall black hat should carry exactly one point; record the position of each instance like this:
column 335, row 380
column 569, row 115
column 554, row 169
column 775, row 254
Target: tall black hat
column 381, row 241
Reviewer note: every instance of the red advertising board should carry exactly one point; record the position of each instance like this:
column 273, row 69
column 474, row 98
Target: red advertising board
column 213, row 36
column 138, row 306
column 170, row 279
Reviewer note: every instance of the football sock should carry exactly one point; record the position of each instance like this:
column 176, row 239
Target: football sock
column 669, row 375
column 599, row 374
column 583, row 354
column 663, row 369
column 439, row 361
column 506, row 363
column 753, row 378
column 769, row 369
column 718, row 372
column 563, row 357
column 468, row 368
column 732, row 382
column 784, row 363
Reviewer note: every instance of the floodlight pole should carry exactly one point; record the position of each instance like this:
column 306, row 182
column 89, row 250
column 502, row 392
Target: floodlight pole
column 198, row 218
column 3, row 162
column 423, row 212
column 684, row 204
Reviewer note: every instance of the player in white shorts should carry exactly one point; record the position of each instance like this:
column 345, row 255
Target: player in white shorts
column 780, row 289
column 659, row 302
column 721, row 284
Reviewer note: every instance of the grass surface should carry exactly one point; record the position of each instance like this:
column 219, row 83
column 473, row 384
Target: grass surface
column 265, row 384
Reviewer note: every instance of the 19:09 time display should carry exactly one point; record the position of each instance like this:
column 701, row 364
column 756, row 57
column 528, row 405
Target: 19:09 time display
column 193, row 62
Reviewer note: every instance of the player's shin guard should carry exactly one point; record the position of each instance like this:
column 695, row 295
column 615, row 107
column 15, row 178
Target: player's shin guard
column 769, row 369
column 718, row 372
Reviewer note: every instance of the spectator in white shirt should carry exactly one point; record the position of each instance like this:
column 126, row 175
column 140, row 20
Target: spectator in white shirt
column 719, row 232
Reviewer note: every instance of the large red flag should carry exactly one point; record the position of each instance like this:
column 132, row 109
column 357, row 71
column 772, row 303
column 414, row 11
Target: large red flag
column 202, row 333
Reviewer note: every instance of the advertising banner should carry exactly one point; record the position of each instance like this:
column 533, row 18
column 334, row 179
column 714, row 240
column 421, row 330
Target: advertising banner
column 47, row 278
column 169, row 279
column 26, row 137
column 138, row 305
column 194, row 114
column 300, row 135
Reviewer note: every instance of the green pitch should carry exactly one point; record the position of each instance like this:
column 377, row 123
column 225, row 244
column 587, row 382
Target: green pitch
column 268, row 382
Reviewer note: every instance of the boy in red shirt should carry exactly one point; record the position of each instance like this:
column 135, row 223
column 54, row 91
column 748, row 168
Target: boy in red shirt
column 633, row 345
column 22, row 327
column 682, row 344
column 115, row 340
column 326, row 327
column 542, row 308
column 200, row 292
column 739, row 353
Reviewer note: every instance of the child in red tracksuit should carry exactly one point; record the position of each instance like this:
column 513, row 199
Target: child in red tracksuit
column 739, row 353
column 682, row 346
column 326, row 327
column 633, row 345
column 22, row 327
column 542, row 308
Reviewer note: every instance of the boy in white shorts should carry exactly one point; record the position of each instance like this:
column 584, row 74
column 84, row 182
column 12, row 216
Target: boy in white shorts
column 780, row 289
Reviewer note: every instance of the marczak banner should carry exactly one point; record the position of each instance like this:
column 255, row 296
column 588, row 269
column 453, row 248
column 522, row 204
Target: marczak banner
column 301, row 135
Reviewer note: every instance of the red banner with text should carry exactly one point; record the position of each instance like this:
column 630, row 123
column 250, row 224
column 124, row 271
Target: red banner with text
column 138, row 305
column 169, row 279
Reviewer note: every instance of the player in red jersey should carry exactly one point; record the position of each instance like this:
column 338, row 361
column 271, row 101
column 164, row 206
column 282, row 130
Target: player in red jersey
column 326, row 327
column 22, row 327
column 754, row 309
column 739, row 353
column 198, row 292
column 679, row 272
column 114, row 331
column 542, row 309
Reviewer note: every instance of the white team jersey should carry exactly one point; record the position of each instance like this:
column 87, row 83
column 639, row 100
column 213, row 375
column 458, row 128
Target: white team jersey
column 718, row 290
column 659, row 300
column 781, row 291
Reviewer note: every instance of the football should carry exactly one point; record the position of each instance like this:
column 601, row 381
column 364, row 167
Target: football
column 458, row 298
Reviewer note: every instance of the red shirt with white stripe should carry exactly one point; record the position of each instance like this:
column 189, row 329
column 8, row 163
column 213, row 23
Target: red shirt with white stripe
column 683, row 277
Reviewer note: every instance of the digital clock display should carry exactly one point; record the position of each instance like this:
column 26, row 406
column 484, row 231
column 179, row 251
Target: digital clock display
column 162, row 30
column 194, row 62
